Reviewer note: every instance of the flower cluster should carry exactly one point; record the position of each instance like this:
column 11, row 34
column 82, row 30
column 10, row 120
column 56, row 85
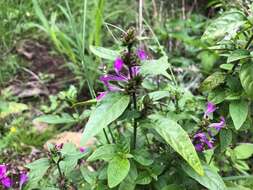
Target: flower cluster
column 6, row 181
column 123, row 74
column 205, row 140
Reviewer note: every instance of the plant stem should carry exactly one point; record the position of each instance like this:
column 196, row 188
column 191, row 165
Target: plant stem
column 135, row 122
column 110, row 131
column 106, row 136
column 134, row 100
column 61, row 186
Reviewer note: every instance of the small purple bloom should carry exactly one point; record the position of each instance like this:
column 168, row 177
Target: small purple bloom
column 118, row 65
column 199, row 147
column 201, row 141
column 82, row 149
column 6, row 181
column 210, row 108
column 218, row 126
column 59, row 146
column 101, row 95
column 3, row 170
column 142, row 54
column 23, row 179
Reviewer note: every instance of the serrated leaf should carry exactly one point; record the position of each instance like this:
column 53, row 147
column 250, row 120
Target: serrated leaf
column 211, row 179
column 213, row 81
column 38, row 169
column 178, row 139
column 108, row 110
column 56, row 119
column 105, row 152
column 238, row 111
column 118, row 169
column 238, row 55
column 104, row 53
column 243, row 150
column 224, row 26
column 156, row 67
column 246, row 77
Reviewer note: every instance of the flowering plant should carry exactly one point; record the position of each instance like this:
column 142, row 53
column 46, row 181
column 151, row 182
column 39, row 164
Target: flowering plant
column 152, row 133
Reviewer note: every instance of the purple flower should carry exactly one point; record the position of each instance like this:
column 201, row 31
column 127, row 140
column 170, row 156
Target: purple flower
column 111, row 81
column 210, row 108
column 118, row 65
column 142, row 54
column 59, row 146
column 82, row 149
column 218, row 126
column 201, row 141
column 23, row 179
column 3, row 170
column 101, row 95
column 6, row 181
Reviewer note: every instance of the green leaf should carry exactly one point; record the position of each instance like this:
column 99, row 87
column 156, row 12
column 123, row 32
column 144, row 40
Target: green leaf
column 143, row 157
column 88, row 176
column 56, row 119
column 107, row 110
column 238, row 55
column 246, row 77
column 238, row 111
column 40, row 15
column 8, row 108
column 213, row 81
column 225, row 26
column 156, row 67
column 118, row 169
column 143, row 178
column 243, row 150
column 157, row 95
column 225, row 138
column 129, row 182
column 211, row 180
column 105, row 152
column 217, row 96
column 227, row 67
column 38, row 169
column 178, row 139
column 71, row 156
column 173, row 187
column 104, row 53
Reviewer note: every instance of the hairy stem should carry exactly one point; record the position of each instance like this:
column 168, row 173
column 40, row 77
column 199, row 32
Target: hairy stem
column 134, row 99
